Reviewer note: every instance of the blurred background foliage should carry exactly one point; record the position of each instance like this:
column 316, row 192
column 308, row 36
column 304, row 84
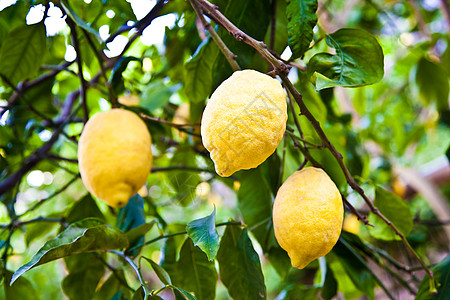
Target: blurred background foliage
column 393, row 134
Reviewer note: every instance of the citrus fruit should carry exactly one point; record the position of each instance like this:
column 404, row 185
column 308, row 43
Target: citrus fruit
column 307, row 216
column 244, row 121
column 114, row 155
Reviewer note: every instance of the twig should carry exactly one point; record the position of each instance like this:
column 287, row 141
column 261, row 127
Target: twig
column 355, row 211
column 230, row 56
column 174, row 125
column 273, row 24
column 39, row 219
column 112, row 94
column 76, row 45
column 136, row 269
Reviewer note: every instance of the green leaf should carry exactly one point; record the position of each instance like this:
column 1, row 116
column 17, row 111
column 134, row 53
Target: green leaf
column 111, row 286
column 71, row 13
column 355, row 267
column 116, row 74
column 22, row 289
column 432, row 81
column 22, row 52
column 198, row 71
column 195, row 272
column 160, row 272
column 330, row 286
column 204, row 234
column 239, row 265
column 358, row 60
column 155, row 95
column 393, row 208
column 137, row 234
column 84, row 276
column 184, row 293
column 252, row 18
column 132, row 216
column 87, row 235
column 86, row 207
column 441, row 273
column 302, row 19
column 255, row 202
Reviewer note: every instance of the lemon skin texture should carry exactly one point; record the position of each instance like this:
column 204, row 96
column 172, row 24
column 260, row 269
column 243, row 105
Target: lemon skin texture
column 307, row 216
column 114, row 155
column 244, row 121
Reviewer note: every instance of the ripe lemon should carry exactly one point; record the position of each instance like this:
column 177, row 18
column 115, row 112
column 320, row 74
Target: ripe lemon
column 114, row 155
column 307, row 216
column 244, row 121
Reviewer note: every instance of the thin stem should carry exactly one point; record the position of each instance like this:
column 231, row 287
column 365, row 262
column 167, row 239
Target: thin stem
column 112, row 94
column 76, row 45
column 114, row 271
column 273, row 24
column 39, row 219
column 137, row 270
column 355, row 211
column 230, row 56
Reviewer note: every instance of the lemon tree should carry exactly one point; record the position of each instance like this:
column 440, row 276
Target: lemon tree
column 212, row 149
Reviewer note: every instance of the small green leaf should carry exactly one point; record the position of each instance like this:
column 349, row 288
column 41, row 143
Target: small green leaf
column 22, row 52
column 195, row 272
column 71, row 13
column 302, row 19
column 441, row 273
column 198, row 71
column 358, row 60
column 132, row 216
column 160, row 272
column 329, row 289
column 355, row 267
column 111, row 286
column 155, row 95
column 239, row 265
column 87, row 235
column 116, row 74
column 84, row 275
column 86, row 207
column 184, row 293
column 255, row 201
column 393, row 208
column 204, row 234
column 432, row 81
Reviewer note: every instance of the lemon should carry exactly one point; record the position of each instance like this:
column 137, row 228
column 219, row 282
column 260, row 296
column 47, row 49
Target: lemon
column 244, row 121
column 307, row 216
column 114, row 155
column 129, row 100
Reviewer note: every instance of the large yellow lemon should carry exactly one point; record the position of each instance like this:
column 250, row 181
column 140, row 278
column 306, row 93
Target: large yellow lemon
column 307, row 216
column 114, row 155
column 244, row 121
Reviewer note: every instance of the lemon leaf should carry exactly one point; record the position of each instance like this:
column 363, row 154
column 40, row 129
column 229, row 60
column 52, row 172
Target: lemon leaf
column 358, row 60
column 22, row 52
column 198, row 71
column 195, row 272
column 204, row 234
column 238, row 261
column 393, row 208
column 159, row 271
column 87, row 235
column 302, row 19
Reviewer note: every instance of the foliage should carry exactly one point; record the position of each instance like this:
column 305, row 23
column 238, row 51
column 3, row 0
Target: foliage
column 368, row 85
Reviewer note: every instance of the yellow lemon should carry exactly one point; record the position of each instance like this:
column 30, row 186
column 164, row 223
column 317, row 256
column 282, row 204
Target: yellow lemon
column 114, row 155
column 129, row 100
column 351, row 224
column 307, row 216
column 244, row 121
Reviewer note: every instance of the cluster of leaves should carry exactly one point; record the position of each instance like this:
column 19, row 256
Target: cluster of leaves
column 402, row 113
